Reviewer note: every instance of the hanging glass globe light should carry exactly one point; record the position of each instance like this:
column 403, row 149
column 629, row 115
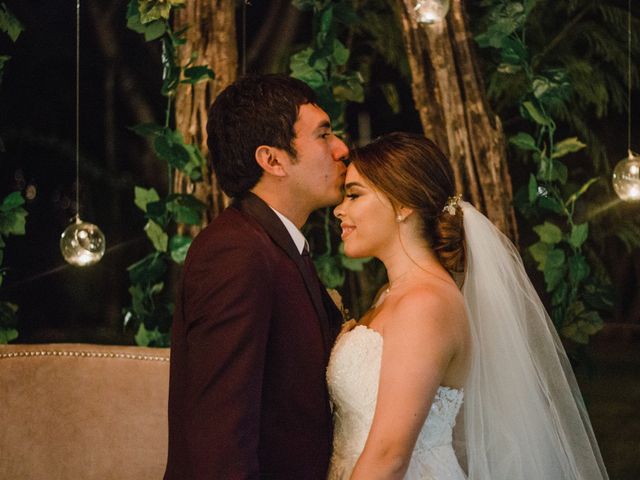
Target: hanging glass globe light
column 82, row 244
column 430, row 11
column 626, row 178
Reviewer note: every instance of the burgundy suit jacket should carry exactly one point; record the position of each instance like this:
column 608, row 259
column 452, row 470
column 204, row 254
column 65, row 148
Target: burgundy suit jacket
column 251, row 339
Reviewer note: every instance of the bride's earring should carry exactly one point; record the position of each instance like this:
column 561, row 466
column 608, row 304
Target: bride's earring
column 399, row 218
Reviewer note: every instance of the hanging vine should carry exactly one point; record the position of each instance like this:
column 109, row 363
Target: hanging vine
column 151, row 308
column 12, row 214
column 578, row 295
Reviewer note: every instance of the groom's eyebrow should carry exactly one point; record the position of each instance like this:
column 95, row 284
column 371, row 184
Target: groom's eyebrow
column 325, row 125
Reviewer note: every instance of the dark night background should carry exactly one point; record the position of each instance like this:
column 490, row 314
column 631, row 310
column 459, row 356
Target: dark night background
column 120, row 82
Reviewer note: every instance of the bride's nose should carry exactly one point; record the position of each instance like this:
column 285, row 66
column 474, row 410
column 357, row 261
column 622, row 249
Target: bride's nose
column 338, row 212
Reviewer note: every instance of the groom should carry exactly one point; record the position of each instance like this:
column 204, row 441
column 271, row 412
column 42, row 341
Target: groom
column 253, row 327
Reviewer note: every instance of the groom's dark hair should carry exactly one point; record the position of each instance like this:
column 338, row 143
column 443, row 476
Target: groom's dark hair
column 255, row 110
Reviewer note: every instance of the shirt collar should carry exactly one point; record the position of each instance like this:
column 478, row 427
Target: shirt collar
column 296, row 235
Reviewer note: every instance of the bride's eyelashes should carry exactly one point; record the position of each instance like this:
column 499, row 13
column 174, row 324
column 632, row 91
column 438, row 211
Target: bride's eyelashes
column 352, row 196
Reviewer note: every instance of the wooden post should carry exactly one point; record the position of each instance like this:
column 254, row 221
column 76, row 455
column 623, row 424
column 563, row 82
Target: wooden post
column 450, row 97
column 211, row 35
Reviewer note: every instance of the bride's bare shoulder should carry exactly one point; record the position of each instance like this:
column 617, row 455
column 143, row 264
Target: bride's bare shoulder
column 427, row 306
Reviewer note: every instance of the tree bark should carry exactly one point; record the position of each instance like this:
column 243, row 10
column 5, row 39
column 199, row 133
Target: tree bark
column 212, row 37
column 450, row 97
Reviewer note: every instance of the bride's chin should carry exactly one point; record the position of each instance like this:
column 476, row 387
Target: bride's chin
column 353, row 252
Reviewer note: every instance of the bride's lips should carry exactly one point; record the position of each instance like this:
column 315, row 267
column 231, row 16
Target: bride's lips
column 346, row 230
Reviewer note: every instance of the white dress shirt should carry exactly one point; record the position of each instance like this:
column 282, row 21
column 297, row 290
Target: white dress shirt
column 296, row 235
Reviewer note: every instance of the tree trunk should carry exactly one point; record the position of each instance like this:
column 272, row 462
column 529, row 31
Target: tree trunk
column 212, row 37
column 450, row 98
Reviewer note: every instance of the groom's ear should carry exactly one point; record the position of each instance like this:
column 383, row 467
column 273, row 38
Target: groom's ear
column 270, row 160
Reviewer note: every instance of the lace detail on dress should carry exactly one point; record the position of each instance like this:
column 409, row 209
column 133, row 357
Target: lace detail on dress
column 353, row 375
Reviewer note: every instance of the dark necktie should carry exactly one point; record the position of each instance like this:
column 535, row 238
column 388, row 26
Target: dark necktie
column 311, row 270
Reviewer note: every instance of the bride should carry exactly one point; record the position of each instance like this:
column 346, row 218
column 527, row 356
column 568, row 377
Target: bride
column 429, row 355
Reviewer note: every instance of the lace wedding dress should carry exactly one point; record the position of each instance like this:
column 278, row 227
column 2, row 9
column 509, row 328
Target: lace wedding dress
column 352, row 376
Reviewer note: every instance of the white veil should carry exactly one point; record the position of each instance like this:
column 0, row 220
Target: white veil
column 523, row 415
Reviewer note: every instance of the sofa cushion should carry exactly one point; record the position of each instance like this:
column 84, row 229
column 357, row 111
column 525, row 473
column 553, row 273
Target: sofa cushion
column 79, row 411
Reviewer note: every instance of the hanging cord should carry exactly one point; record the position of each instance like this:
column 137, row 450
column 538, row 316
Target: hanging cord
column 630, row 154
column 244, row 36
column 77, row 111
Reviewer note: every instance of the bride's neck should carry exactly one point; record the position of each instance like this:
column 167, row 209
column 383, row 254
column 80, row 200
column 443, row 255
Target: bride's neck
column 405, row 262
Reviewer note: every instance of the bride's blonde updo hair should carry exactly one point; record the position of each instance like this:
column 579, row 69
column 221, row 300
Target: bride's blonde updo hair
column 412, row 172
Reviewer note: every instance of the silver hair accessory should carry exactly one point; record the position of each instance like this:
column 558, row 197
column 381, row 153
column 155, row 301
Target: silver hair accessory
column 452, row 204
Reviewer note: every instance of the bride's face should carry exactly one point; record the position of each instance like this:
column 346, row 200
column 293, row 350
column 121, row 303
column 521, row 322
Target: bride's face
column 367, row 217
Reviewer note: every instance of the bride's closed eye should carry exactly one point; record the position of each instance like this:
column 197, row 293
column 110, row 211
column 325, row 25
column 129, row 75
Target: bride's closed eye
column 351, row 196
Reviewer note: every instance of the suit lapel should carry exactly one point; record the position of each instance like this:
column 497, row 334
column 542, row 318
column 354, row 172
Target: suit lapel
column 265, row 216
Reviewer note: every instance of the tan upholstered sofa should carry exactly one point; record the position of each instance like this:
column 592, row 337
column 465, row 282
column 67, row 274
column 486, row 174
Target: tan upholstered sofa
column 79, row 411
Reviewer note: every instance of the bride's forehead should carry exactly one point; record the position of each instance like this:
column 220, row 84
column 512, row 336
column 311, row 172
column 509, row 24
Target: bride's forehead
column 353, row 175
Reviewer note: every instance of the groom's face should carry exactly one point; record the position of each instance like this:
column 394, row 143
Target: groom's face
column 318, row 171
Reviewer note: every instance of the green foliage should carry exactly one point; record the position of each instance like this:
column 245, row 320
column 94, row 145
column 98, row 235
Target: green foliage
column 549, row 197
column 12, row 222
column 323, row 65
column 12, row 214
column 9, row 24
column 151, row 310
column 583, row 39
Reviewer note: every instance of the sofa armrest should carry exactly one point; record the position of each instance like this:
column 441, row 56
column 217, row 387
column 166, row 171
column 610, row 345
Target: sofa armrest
column 72, row 411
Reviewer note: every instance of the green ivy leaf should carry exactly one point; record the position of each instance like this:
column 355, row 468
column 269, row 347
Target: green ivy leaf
column 579, row 234
column 559, row 295
column 157, row 211
column 551, row 204
column 329, row 271
column 9, row 24
column 148, row 129
column 548, row 233
column 302, row 69
column 348, row 87
column 194, row 75
column 138, row 301
column 11, row 201
column 13, row 222
column 158, row 237
column 151, row 338
column 533, row 113
column 149, row 270
column 7, row 334
column 554, row 268
column 326, row 18
column 566, row 146
column 186, row 208
column 143, row 196
column 179, row 246
column 524, row 141
column 552, row 170
column 8, row 318
column 513, row 54
column 539, row 252
column 173, row 153
column 586, row 323
column 340, row 53
column 392, row 97
column 154, row 30
column 578, row 268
